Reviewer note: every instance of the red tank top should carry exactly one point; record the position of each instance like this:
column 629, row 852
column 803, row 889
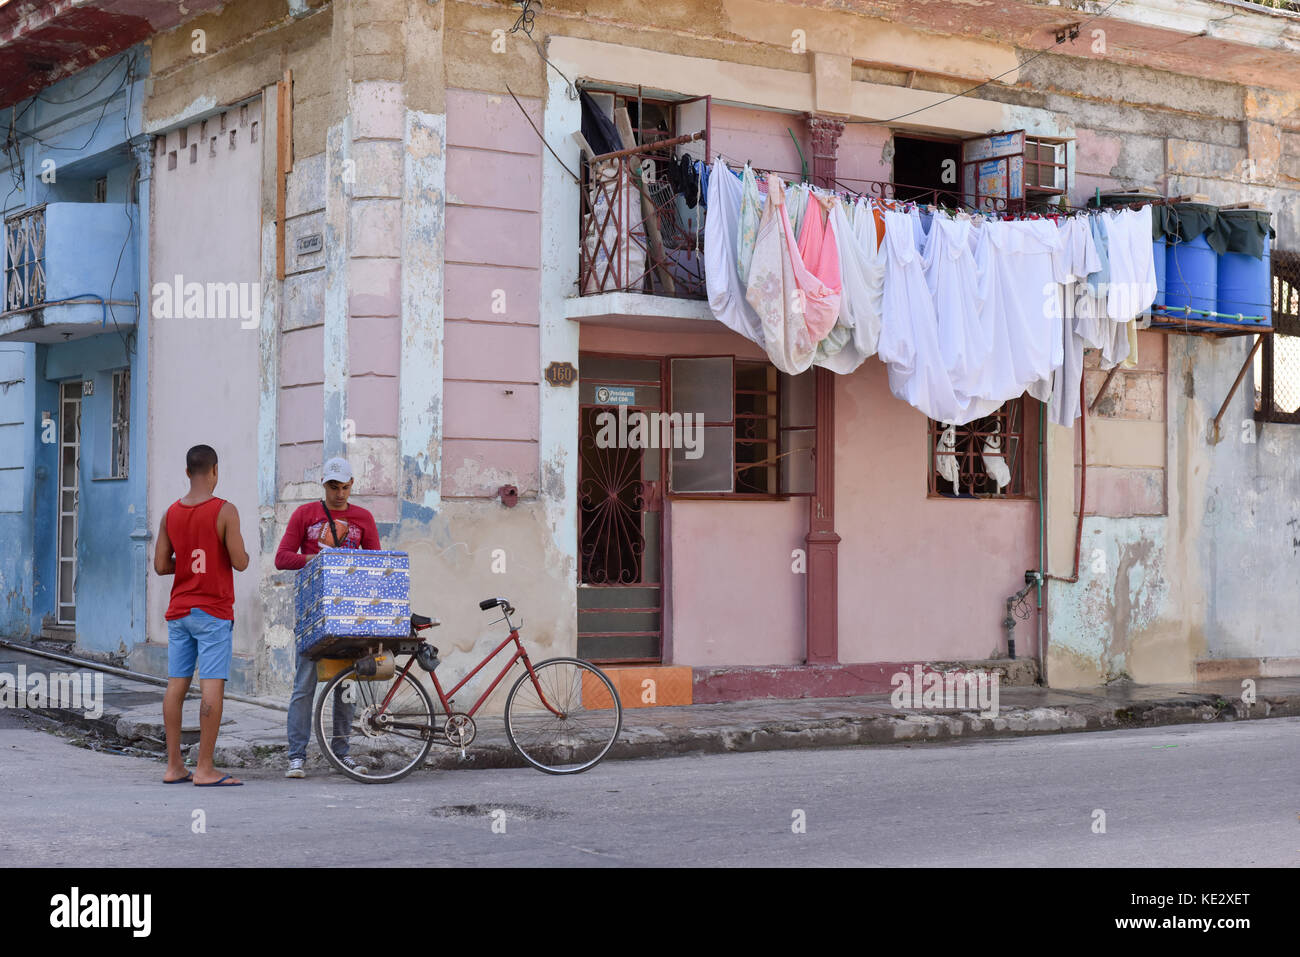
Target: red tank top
column 203, row 579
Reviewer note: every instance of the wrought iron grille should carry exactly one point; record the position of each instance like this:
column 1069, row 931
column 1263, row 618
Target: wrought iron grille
column 120, row 427
column 25, row 259
column 640, row 232
column 982, row 459
column 1277, row 370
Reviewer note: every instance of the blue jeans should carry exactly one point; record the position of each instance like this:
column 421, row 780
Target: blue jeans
column 300, row 712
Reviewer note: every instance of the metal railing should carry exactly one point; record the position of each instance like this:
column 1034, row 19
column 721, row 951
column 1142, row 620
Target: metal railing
column 24, row 275
column 641, row 231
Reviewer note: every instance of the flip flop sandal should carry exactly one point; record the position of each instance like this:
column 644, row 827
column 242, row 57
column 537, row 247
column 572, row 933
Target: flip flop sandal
column 184, row 780
column 221, row 784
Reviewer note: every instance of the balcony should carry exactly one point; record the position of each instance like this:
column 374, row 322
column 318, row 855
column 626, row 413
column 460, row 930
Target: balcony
column 641, row 229
column 70, row 271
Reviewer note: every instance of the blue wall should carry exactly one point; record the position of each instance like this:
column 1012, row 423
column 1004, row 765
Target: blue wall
column 90, row 126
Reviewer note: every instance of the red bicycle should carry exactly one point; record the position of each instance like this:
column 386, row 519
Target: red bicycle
column 562, row 715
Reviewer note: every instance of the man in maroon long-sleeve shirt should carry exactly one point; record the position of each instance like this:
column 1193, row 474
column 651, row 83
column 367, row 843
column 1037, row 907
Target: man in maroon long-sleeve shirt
column 335, row 523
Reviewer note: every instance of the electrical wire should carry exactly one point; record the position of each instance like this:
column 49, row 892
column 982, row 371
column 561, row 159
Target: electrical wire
column 102, row 113
column 540, row 136
column 129, row 338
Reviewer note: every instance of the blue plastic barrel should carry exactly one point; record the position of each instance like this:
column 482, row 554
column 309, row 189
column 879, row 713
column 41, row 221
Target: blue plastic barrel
column 1191, row 277
column 1246, row 287
column 1159, row 253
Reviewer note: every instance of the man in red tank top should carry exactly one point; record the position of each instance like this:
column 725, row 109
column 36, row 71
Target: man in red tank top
column 200, row 544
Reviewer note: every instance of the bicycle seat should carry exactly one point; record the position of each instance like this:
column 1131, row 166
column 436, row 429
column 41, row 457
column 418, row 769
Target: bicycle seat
column 421, row 622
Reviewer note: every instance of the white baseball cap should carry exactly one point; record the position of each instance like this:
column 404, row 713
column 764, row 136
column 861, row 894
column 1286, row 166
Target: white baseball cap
column 336, row 470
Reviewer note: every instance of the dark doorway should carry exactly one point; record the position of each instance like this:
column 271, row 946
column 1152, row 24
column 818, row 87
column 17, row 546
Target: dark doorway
column 620, row 527
column 927, row 170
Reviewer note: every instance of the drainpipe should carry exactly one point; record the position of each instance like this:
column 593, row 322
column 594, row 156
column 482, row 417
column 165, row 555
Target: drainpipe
column 1037, row 578
column 1083, row 489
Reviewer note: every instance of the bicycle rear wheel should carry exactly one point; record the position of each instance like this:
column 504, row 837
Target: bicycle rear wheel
column 387, row 743
column 571, row 725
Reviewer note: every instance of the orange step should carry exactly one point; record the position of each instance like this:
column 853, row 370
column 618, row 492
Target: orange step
column 641, row 686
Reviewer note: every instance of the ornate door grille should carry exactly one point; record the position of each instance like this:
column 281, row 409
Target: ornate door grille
column 620, row 529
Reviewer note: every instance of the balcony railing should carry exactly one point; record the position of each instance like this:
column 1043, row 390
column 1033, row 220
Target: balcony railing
column 642, row 232
column 24, row 278
column 69, row 270
column 639, row 231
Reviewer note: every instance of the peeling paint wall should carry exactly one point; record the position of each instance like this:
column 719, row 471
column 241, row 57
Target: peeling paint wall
column 1186, row 553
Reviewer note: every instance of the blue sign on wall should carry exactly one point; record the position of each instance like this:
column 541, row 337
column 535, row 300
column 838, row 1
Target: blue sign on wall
column 615, row 395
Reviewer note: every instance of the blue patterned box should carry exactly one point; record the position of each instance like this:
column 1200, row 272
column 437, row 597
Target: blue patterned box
column 324, row 629
column 348, row 592
column 357, row 607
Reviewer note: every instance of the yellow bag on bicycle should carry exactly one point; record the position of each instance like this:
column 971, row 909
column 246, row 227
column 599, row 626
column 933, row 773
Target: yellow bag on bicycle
column 384, row 668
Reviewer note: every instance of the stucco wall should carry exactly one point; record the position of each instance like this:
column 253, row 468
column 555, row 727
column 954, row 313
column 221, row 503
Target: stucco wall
column 920, row 577
column 76, row 132
column 204, row 382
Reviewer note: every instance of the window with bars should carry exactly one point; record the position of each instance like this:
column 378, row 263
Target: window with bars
column 746, row 429
column 120, row 426
column 1277, row 365
column 982, row 459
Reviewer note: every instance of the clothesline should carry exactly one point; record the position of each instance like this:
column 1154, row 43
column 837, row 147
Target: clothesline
column 967, row 310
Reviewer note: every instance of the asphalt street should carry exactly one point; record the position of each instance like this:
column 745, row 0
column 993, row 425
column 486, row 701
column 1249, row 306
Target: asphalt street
column 1221, row 795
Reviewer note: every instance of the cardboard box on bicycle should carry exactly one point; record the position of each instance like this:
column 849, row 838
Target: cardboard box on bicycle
column 350, row 593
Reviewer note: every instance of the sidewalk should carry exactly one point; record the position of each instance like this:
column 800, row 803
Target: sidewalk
column 253, row 735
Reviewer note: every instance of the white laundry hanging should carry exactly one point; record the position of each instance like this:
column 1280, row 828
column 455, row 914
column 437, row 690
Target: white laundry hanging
column 721, row 239
column 965, row 337
column 1132, row 264
column 908, row 324
column 1079, row 259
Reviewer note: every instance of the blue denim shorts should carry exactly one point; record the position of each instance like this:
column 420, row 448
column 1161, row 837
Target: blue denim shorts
column 199, row 635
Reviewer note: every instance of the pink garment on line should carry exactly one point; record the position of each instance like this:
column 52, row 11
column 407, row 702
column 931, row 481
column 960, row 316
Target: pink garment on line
column 819, row 279
column 789, row 300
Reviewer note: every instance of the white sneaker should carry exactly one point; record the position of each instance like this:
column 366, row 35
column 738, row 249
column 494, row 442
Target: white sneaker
column 351, row 764
column 295, row 769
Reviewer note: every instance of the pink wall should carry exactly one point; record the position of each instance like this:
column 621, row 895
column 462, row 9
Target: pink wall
column 204, row 380
column 492, row 363
column 761, row 137
column 919, row 577
column 736, row 598
column 858, row 158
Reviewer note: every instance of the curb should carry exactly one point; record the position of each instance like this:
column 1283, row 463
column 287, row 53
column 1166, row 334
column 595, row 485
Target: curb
column 130, row 728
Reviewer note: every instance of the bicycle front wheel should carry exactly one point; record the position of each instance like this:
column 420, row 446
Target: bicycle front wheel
column 385, row 741
column 567, row 719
